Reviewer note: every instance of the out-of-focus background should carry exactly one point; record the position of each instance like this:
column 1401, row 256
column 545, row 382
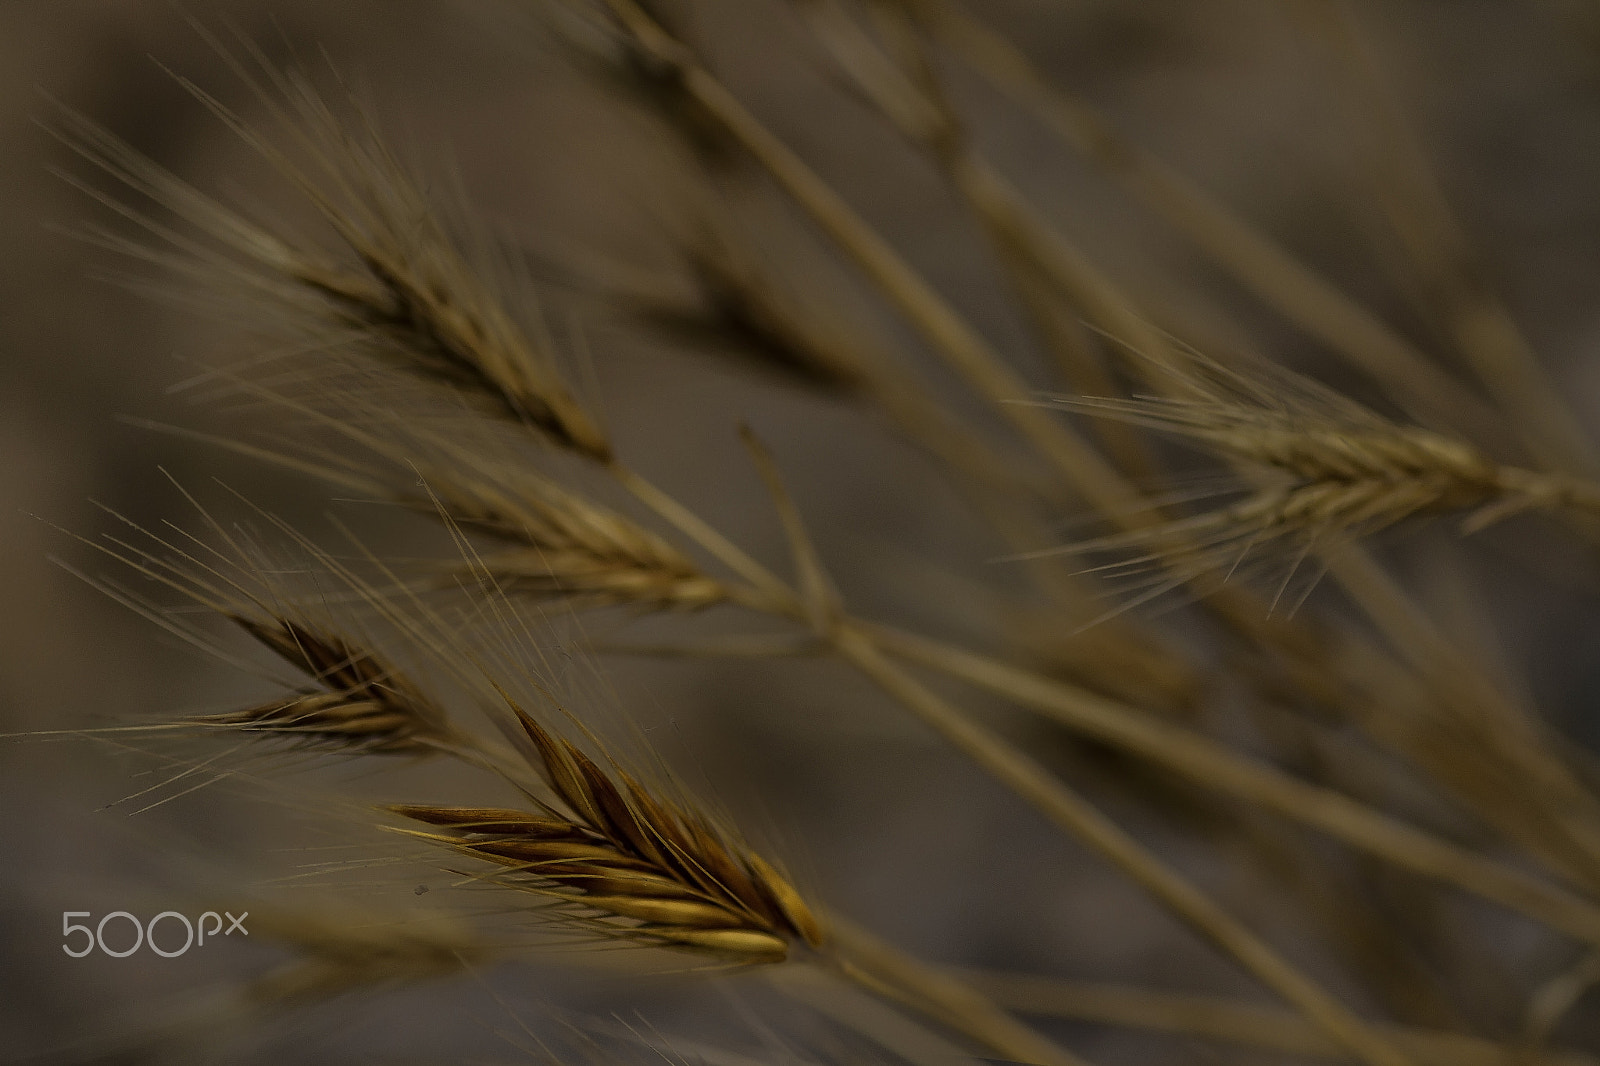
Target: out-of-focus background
column 1238, row 95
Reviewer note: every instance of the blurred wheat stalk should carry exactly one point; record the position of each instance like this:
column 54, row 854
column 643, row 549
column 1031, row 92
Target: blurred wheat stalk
column 403, row 364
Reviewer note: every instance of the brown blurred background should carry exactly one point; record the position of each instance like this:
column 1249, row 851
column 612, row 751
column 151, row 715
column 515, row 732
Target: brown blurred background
column 1506, row 94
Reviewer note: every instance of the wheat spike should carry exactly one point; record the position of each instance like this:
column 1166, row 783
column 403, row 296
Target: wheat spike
column 359, row 701
column 1329, row 467
column 362, row 703
column 624, row 864
column 565, row 546
column 556, row 544
column 404, row 292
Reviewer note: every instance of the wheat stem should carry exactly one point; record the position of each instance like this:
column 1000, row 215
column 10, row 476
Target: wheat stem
column 1255, row 260
column 863, row 958
column 961, row 346
column 767, row 586
column 869, row 1012
column 1075, row 814
column 921, row 114
column 1235, row 1022
column 1217, row 767
column 1473, row 700
column 1419, row 213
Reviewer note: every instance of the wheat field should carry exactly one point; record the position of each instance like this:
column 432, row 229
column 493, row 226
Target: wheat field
column 800, row 530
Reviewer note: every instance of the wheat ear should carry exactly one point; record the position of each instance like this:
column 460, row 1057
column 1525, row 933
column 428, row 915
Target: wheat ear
column 622, row 863
column 361, row 703
column 1340, row 470
column 405, row 292
column 562, row 544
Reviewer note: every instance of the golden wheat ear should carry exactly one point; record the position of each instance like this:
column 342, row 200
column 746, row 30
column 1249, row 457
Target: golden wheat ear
column 551, row 543
column 620, row 863
column 399, row 288
column 312, row 612
column 361, row 703
column 1319, row 468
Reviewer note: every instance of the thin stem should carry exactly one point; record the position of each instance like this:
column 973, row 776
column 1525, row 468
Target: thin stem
column 1474, row 701
column 867, row 1012
column 1236, row 1022
column 1254, row 259
column 961, row 346
column 863, row 959
column 1079, row 817
column 768, row 587
column 1217, row 767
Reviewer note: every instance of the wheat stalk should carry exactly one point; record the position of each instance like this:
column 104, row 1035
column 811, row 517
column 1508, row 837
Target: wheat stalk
column 1257, row 261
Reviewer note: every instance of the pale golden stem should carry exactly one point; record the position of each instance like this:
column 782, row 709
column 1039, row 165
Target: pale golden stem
column 1215, row 766
column 1079, row 817
column 960, row 345
column 861, row 957
column 1236, row 1022
column 1419, row 212
column 1474, row 700
column 1255, row 260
